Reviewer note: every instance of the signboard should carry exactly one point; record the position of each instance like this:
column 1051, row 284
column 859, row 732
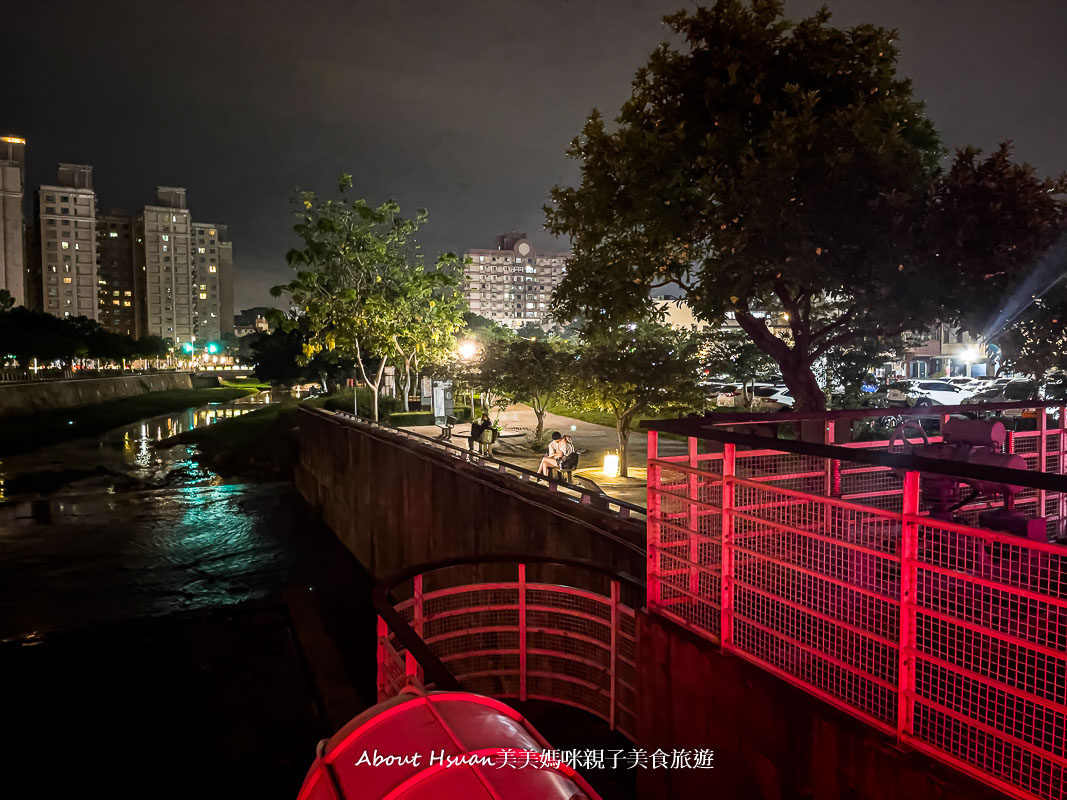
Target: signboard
column 443, row 402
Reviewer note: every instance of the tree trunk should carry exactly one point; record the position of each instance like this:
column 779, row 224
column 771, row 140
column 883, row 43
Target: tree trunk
column 807, row 394
column 539, row 412
column 407, row 383
column 622, row 428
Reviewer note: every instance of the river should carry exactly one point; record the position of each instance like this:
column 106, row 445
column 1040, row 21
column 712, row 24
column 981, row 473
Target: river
column 145, row 639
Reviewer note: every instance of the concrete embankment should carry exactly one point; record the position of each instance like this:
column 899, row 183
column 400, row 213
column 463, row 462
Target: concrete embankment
column 38, row 396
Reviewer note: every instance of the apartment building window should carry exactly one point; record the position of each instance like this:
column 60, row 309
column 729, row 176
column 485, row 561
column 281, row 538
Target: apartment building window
column 113, row 234
column 67, row 280
column 212, row 268
column 66, row 245
column 203, row 295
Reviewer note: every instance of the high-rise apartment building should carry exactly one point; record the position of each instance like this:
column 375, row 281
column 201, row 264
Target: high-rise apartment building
column 165, row 269
column 214, row 266
column 13, row 265
column 512, row 284
column 120, row 311
column 66, row 225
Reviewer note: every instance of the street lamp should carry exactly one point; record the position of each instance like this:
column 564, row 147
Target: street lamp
column 468, row 350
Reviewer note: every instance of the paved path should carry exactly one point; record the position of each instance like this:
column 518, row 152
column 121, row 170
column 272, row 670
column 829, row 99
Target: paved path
column 594, row 441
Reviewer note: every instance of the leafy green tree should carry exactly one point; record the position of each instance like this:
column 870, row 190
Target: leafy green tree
column 353, row 270
column 772, row 167
column 731, row 353
column 423, row 319
column 634, row 369
column 849, row 367
column 7, row 301
column 529, row 371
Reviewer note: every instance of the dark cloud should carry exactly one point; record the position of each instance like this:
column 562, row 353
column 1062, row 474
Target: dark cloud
column 464, row 107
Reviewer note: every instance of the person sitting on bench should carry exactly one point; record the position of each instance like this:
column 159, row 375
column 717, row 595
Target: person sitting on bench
column 555, row 453
column 478, row 428
column 569, row 456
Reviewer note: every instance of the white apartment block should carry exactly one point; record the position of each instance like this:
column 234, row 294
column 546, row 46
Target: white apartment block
column 512, row 284
column 167, row 269
column 214, row 267
column 12, row 187
column 67, row 227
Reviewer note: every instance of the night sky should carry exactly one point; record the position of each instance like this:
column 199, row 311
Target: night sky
column 464, row 107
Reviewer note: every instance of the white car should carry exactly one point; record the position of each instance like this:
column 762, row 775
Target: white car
column 772, row 398
column 734, row 395
column 926, row 393
column 968, row 385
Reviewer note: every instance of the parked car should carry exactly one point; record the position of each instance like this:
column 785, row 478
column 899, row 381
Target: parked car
column 1012, row 390
column 925, row 393
column 968, row 385
column 733, row 395
column 772, row 398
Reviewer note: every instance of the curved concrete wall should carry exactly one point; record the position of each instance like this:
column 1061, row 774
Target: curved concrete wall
column 34, row 397
column 396, row 503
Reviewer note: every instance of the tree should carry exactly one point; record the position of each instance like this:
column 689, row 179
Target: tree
column 850, row 367
column 353, row 272
column 634, row 369
column 423, row 319
column 732, row 353
column 528, row 371
column 770, row 167
column 7, row 300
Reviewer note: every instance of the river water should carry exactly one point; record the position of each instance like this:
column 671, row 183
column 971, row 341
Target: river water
column 143, row 621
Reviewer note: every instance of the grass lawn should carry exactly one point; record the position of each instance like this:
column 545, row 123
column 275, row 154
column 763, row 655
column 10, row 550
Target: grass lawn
column 27, row 432
column 244, row 383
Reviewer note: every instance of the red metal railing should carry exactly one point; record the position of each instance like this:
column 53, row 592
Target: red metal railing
column 831, row 575
column 519, row 639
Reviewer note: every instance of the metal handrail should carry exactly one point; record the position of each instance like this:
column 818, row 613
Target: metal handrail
column 758, row 417
column 957, row 469
column 434, row 670
column 586, row 496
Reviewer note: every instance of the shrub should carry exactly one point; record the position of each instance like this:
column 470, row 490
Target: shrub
column 407, row 419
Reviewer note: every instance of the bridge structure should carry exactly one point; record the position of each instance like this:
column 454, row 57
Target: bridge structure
column 808, row 609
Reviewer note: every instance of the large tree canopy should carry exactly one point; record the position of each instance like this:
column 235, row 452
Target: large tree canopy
column 767, row 166
column 364, row 290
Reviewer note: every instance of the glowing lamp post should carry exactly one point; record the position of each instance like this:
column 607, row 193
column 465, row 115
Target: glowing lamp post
column 467, row 351
column 611, row 465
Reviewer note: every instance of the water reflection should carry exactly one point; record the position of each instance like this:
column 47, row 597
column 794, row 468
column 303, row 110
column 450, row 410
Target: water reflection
column 141, row 531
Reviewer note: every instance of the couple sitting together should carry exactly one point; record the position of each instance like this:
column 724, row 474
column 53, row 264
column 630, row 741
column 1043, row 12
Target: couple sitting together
column 561, row 454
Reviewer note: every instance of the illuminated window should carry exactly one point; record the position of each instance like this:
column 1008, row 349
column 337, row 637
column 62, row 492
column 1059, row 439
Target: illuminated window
column 113, row 234
column 201, row 249
column 203, row 295
column 66, row 280
column 114, row 302
column 203, row 286
column 211, row 232
column 213, row 268
column 66, row 245
column 125, row 303
column 128, row 294
column 165, row 238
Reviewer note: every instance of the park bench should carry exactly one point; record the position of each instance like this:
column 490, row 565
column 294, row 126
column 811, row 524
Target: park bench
column 565, row 474
column 445, row 424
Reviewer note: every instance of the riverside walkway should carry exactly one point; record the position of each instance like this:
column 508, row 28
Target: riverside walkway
column 593, row 440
